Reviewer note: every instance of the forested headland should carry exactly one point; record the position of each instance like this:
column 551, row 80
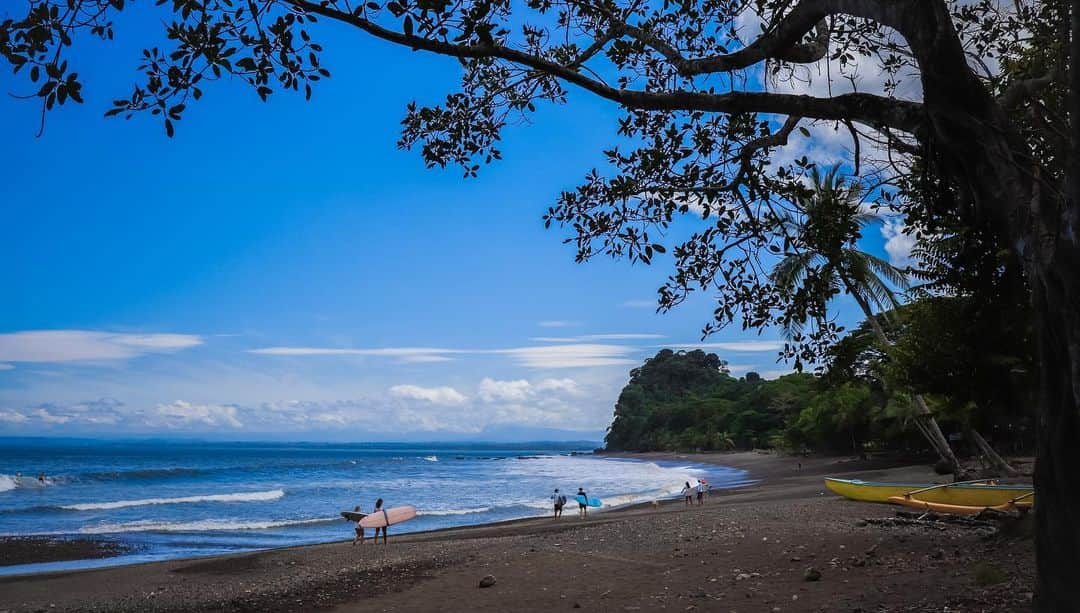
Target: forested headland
column 968, row 361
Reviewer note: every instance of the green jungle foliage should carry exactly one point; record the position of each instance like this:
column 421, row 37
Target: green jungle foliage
column 859, row 401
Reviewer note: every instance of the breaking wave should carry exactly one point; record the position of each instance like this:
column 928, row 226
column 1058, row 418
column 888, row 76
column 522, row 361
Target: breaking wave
column 205, row 525
column 456, row 511
column 236, row 497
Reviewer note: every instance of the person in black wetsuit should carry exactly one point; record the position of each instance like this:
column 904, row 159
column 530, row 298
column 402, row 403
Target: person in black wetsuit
column 379, row 509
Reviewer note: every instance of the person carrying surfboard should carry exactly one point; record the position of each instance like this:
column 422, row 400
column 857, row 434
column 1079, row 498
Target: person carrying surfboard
column 380, row 509
column 359, row 529
column 560, row 502
column 583, row 503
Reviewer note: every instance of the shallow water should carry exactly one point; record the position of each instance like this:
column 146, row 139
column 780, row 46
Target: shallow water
column 184, row 499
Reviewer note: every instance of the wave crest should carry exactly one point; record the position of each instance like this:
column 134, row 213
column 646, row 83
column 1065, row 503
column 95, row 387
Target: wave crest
column 456, row 511
column 234, row 497
column 205, row 525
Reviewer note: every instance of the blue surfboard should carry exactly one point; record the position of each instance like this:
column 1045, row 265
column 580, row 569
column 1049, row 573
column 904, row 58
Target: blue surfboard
column 590, row 501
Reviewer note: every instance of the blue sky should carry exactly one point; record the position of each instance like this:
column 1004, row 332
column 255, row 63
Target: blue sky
column 283, row 270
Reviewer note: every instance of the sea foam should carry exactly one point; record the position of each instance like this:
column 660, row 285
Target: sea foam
column 204, row 525
column 234, row 497
column 456, row 511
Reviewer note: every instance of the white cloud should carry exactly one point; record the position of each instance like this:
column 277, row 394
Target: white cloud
column 549, row 402
column 404, row 354
column 491, row 390
column 87, row 345
column 434, row 395
column 897, row 244
column 559, row 403
column 566, row 386
column 425, row 359
column 737, row 346
column 557, row 323
column 638, row 304
column 570, row 356
column 595, row 337
column 50, row 418
column 180, row 413
column 12, row 417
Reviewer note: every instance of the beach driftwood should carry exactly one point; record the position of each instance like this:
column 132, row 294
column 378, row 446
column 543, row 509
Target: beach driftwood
column 904, row 521
column 974, row 522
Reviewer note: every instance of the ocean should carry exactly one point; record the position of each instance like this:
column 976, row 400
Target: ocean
column 171, row 499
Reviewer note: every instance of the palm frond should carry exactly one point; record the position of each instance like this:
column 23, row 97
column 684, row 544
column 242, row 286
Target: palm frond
column 790, row 272
column 886, row 270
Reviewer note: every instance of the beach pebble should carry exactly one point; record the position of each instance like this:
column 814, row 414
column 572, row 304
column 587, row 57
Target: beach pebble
column 487, row 581
column 812, row 574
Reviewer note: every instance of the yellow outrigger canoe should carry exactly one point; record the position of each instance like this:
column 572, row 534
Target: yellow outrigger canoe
column 973, row 495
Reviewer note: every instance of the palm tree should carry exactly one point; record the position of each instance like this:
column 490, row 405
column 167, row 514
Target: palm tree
column 829, row 262
column 726, row 440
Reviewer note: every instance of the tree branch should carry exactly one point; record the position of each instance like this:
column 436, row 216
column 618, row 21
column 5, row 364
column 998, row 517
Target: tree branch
column 868, row 109
column 781, row 43
column 1021, row 90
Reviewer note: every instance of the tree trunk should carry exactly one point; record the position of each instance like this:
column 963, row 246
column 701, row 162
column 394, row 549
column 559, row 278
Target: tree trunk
column 1057, row 466
column 935, row 435
column 971, row 140
column 928, row 425
column 1056, row 319
column 995, row 460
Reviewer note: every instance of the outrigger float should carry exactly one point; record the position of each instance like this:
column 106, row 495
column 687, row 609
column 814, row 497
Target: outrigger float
column 962, row 498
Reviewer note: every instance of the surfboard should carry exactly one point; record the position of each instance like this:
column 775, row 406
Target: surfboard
column 590, row 501
column 353, row 515
column 388, row 517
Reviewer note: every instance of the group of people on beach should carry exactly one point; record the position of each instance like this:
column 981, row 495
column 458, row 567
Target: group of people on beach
column 689, row 492
column 360, row 529
column 559, row 499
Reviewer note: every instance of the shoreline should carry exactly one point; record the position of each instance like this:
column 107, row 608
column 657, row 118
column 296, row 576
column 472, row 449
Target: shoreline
column 37, row 549
column 630, row 557
column 56, row 549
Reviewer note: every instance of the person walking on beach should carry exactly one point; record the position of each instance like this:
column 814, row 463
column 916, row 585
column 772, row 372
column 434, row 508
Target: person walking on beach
column 583, row 503
column 359, row 529
column 380, row 509
column 700, row 492
column 688, row 494
column 560, row 502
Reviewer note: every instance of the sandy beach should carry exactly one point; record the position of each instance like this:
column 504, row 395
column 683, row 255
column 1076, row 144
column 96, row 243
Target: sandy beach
column 744, row 550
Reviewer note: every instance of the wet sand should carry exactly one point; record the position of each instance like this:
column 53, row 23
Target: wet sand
column 744, row 550
column 35, row 549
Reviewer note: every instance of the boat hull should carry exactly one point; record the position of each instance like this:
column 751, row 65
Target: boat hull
column 961, row 494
